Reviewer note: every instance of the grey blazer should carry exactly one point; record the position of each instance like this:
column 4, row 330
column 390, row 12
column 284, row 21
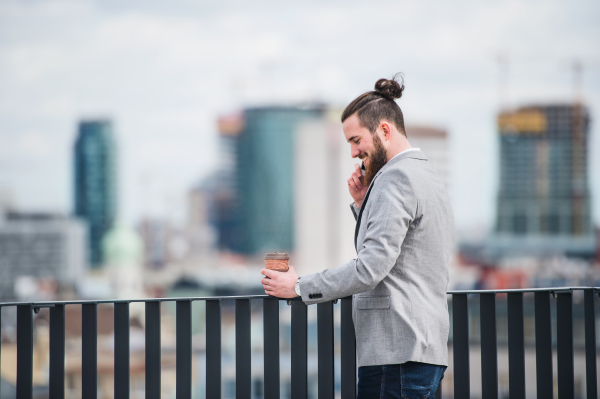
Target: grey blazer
column 400, row 277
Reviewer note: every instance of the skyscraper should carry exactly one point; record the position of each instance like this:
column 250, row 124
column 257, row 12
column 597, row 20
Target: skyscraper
column 544, row 197
column 95, row 182
column 264, row 179
column 252, row 193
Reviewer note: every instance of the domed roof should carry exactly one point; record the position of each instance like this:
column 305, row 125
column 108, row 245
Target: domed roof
column 122, row 245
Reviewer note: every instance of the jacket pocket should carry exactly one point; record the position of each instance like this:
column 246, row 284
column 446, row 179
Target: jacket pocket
column 372, row 302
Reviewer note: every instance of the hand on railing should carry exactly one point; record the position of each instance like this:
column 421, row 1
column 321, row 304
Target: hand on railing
column 278, row 284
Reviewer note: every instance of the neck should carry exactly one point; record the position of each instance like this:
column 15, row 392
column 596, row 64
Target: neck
column 397, row 148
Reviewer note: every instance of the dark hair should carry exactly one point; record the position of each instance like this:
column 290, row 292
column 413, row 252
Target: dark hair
column 373, row 106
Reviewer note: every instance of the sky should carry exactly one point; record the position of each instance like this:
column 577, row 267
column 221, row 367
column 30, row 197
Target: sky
column 164, row 71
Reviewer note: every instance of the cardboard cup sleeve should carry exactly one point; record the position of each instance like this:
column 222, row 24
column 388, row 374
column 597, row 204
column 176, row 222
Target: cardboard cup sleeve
column 277, row 261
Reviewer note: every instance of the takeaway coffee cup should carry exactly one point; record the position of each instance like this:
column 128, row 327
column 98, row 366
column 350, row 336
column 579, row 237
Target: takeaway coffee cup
column 277, row 261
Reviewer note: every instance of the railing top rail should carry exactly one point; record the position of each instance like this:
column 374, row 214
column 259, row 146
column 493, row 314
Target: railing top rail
column 43, row 304
column 171, row 299
column 526, row 290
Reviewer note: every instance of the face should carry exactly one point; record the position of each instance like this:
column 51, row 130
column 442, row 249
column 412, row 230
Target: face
column 365, row 146
column 359, row 137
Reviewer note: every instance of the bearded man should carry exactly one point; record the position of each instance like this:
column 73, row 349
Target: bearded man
column 403, row 240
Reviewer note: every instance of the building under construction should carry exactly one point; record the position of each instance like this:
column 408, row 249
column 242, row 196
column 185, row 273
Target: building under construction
column 544, row 197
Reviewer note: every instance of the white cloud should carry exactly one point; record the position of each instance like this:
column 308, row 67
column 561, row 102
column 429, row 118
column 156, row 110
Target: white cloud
column 164, row 74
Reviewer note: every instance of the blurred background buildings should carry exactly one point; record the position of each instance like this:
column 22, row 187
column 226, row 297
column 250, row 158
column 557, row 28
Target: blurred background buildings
column 264, row 178
column 226, row 121
column 95, row 182
column 544, row 200
column 435, row 142
column 40, row 255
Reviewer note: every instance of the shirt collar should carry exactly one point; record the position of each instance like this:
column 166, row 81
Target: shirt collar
column 400, row 153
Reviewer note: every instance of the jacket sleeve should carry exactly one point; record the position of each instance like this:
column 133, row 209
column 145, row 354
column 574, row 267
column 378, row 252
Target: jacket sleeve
column 389, row 213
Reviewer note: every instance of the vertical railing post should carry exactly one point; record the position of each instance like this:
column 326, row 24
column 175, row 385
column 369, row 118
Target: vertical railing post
column 183, row 349
column 516, row 346
column 271, row 347
column 460, row 344
column 326, row 379
column 543, row 345
column 213, row 348
column 299, row 343
column 243, row 359
column 24, row 351
column 564, row 345
column 121, row 355
column 590, row 344
column 489, row 346
column 0, row 349
column 153, row 356
column 56, row 389
column 89, row 351
column 348, row 350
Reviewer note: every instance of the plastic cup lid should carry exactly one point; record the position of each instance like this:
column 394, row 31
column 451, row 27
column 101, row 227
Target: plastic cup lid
column 277, row 255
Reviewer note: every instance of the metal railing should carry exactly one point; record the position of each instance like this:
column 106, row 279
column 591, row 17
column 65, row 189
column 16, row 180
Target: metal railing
column 516, row 346
column 325, row 335
column 183, row 334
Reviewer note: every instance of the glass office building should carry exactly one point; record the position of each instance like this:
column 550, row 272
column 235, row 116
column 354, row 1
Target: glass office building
column 95, row 182
column 264, row 178
column 544, row 197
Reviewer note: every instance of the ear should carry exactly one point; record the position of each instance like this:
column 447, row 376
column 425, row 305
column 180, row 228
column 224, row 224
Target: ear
column 386, row 130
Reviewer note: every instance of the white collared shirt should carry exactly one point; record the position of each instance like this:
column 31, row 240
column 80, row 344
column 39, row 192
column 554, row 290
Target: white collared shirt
column 410, row 149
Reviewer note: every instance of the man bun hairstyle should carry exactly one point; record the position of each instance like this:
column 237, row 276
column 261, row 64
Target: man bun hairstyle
column 389, row 88
column 373, row 106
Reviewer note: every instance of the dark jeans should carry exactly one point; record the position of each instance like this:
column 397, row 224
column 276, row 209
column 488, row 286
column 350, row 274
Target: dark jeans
column 410, row 380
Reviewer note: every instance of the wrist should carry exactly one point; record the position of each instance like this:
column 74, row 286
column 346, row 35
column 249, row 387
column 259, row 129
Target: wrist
column 297, row 287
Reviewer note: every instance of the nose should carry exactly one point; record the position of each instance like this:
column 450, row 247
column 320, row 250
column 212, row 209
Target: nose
column 354, row 151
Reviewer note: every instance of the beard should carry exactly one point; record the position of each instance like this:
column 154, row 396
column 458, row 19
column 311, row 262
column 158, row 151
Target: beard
column 377, row 159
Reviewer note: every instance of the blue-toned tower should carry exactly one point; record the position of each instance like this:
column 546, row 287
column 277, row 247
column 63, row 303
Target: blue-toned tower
column 95, row 182
column 264, row 178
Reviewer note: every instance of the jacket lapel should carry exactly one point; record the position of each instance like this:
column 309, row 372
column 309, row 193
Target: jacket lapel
column 410, row 154
column 362, row 208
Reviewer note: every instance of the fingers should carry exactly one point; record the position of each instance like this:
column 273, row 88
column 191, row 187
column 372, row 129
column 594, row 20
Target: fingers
column 269, row 290
column 355, row 180
column 267, row 282
column 359, row 172
column 352, row 184
column 268, row 273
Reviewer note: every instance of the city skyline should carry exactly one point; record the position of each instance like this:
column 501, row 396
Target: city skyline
column 176, row 142
column 164, row 75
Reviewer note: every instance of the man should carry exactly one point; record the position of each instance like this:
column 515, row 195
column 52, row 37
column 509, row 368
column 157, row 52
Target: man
column 403, row 239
